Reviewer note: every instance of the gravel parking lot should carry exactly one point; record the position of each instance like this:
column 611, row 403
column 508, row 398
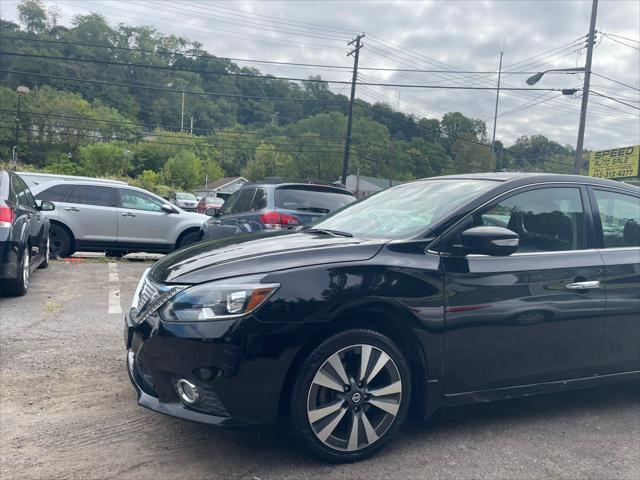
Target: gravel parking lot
column 67, row 410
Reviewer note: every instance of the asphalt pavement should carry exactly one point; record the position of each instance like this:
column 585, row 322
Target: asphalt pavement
column 67, row 410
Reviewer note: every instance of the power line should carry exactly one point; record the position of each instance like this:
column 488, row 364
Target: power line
column 168, row 52
column 261, row 77
column 171, row 68
column 615, row 100
column 620, row 36
column 186, row 144
column 440, row 132
column 615, row 81
column 166, row 127
column 164, row 89
column 620, row 42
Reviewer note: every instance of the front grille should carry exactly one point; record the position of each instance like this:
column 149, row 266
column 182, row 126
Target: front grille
column 209, row 401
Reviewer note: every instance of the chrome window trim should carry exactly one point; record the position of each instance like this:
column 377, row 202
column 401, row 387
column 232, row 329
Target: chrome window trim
column 615, row 249
column 527, row 254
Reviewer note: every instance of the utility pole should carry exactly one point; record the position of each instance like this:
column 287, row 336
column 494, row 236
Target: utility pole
column 577, row 169
column 495, row 115
column 182, row 113
column 191, row 129
column 347, row 143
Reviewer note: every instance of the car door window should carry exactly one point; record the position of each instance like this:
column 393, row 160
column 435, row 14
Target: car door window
column 243, row 202
column 228, row 205
column 259, row 201
column 620, row 218
column 139, row 201
column 95, row 195
column 546, row 219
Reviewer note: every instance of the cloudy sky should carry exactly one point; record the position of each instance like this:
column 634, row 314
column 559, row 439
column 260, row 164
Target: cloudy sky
column 440, row 35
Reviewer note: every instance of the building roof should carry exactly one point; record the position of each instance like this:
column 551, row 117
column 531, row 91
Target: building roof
column 362, row 180
column 222, row 182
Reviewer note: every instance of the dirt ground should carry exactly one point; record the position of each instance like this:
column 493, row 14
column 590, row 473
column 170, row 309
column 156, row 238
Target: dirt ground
column 67, row 410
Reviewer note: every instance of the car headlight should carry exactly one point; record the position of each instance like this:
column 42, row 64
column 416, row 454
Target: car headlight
column 216, row 301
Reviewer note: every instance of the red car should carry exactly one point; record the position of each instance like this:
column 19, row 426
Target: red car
column 209, row 205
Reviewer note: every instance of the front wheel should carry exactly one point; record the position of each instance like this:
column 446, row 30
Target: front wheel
column 350, row 396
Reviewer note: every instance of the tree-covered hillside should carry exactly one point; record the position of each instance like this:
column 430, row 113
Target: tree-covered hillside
column 108, row 100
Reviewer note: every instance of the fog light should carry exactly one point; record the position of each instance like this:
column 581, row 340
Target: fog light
column 187, row 391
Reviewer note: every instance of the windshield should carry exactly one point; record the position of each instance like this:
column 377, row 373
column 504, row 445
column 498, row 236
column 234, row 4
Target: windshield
column 185, row 196
column 405, row 210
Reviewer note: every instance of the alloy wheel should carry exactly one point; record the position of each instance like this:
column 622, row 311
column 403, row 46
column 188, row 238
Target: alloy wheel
column 354, row 397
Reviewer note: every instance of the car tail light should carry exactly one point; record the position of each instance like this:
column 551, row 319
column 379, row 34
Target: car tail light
column 7, row 216
column 279, row 220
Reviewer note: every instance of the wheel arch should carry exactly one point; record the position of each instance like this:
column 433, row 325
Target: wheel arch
column 185, row 232
column 383, row 319
column 62, row 225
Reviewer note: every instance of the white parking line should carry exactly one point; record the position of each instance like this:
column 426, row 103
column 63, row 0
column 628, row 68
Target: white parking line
column 113, row 272
column 114, row 293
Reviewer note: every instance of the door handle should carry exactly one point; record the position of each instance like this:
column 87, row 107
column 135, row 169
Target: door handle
column 583, row 285
column 127, row 214
column 72, row 209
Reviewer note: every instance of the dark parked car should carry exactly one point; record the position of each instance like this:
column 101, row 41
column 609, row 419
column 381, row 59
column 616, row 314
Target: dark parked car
column 261, row 206
column 24, row 234
column 405, row 302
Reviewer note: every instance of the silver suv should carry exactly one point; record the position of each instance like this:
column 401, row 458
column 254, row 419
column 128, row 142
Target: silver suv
column 114, row 218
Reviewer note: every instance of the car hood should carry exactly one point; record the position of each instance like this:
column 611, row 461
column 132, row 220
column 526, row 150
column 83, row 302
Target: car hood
column 254, row 253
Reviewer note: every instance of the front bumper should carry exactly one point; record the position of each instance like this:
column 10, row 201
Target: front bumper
column 239, row 383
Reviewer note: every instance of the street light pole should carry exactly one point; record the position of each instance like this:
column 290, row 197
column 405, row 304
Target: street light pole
column 21, row 91
column 577, row 169
column 495, row 115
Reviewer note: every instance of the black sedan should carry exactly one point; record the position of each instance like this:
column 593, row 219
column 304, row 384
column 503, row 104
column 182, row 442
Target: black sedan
column 433, row 293
column 24, row 234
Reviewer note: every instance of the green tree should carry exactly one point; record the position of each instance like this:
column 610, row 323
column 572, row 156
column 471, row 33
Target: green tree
column 183, row 170
column 99, row 159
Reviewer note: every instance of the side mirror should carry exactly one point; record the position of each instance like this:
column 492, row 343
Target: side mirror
column 168, row 208
column 212, row 212
column 46, row 206
column 494, row 241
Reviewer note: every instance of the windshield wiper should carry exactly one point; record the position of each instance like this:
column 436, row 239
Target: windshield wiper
column 325, row 231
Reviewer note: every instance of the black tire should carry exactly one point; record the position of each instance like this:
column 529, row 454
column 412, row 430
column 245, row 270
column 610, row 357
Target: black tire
column 47, row 253
column 61, row 242
column 19, row 286
column 115, row 253
column 188, row 238
column 373, row 426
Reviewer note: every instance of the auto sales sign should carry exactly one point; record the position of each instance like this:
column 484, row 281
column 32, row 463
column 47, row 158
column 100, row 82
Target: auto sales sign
column 615, row 163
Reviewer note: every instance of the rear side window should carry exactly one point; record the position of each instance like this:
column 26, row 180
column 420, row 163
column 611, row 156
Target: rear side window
column 92, row 195
column 57, row 193
column 22, row 192
column 620, row 218
column 307, row 199
column 546, row 219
